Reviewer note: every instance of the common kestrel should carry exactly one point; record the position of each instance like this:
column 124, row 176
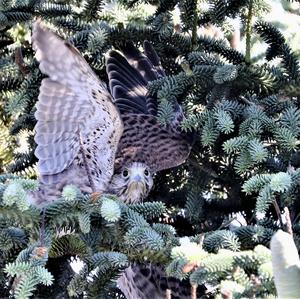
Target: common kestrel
column 96, row 139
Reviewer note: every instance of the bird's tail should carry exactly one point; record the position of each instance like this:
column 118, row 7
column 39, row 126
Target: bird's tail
column 151, row 282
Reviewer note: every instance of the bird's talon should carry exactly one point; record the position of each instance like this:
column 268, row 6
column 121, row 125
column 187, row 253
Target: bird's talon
column 95, row 196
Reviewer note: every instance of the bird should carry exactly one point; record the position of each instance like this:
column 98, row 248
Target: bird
column 96, row 137
column 103, row 138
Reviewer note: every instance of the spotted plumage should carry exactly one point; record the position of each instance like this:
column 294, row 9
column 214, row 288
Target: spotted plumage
column 151, row 282
column 88, row 136
column 101, row 140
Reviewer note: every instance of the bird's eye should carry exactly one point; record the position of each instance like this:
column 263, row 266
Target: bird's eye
column 146, row 172
column 125, row 173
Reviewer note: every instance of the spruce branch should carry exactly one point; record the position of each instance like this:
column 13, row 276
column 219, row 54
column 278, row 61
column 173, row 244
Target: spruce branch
column 245, row 122
column 278, row 47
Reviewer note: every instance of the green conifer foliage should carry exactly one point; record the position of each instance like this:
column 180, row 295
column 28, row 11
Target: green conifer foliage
column 245, row 119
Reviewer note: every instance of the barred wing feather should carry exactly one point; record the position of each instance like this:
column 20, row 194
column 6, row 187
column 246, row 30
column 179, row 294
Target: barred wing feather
column 73, row 104
column 144, row 139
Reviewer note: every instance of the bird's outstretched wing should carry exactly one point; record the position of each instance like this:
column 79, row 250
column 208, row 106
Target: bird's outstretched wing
column 129, row 76
column 144, row 139
column 74, row 107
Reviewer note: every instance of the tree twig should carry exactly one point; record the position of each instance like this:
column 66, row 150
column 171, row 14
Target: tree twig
column 227, row 223
column 289, row 227
column 277, row 209
column 248, row 32
column 42, row 233
column 194, row 29
column 19, row 60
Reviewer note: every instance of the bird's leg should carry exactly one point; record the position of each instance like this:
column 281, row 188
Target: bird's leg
column 95, row 195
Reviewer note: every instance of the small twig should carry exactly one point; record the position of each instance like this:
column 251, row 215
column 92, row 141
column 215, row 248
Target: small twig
column 277, row 209
column 194, row 29
column 86, row 166
column 177, row 28
column 227, row 223
column 194, row 291
column 246, row 101
column 236, row 37
column 19, row 60
column 296, row 218
column 15, row 282
column 248, row 32
column 289, row 227
column 190, row 266
column 201, row 240
column 290, row 167
column 207, row 170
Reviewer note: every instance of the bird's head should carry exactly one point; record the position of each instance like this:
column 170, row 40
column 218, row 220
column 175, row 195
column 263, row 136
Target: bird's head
column 133, row 183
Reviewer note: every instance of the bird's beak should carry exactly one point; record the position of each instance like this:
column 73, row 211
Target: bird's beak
column 137, row 178
column 136, row 189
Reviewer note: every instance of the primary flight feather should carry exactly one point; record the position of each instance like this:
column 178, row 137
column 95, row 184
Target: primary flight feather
column 95, row 139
